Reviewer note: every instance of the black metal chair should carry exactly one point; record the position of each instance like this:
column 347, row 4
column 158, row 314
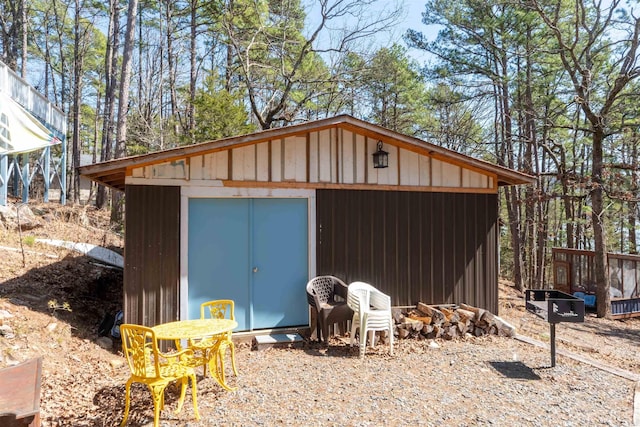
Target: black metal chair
column 328, row 297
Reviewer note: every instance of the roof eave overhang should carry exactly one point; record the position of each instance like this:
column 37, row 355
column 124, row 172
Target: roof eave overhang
column 113, row 173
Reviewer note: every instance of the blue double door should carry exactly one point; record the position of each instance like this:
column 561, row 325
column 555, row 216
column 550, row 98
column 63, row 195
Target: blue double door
column 253, row 251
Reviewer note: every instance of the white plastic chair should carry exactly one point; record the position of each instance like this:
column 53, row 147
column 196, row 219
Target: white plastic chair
column 371, row 312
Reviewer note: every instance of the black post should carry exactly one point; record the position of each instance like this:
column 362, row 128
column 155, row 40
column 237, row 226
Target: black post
column 553, row 344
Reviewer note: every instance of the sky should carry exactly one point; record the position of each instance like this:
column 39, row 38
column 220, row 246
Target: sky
column 411, row 19
column 413, row 10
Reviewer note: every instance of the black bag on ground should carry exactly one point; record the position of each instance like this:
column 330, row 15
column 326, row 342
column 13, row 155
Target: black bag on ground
column 117, row 321
column 105, row 326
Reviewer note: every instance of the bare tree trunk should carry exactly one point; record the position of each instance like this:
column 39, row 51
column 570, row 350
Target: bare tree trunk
column 603, row 297
column 96, row 126
column 530, row 203
column 513, row 213
column 23, row 13
column 9, row 27
column 140, row 49
column 632, row 205
column 193, row 71
column 228, row 72
column 125, row 79
column 175, row 114
column 536, row 203
column 47, row 64
column 569, row 211
column 512, row 199
column 161, row 111
column 631, row 226
column 59, row 28
column 123, row 104
column 111, row 84
column 77, row 99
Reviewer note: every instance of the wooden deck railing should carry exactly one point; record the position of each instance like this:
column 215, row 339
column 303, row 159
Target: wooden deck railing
column 19, row 170
column 32, row 100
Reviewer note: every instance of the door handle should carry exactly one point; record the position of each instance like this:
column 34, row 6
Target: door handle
column 255, row 269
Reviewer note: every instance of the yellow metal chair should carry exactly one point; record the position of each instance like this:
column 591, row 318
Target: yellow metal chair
column 214, row 348
column 155, row 369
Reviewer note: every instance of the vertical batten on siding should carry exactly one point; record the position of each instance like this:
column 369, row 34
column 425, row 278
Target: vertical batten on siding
column 237, row 164
column 436, row 172
column 360, row 156
column 276, row 160
column 249, row 165
column 336, row 143
column 307, row 157
column 474, row 179
column 354, row 153
column 372, row 173
column 289, row 159
column 196, row 167
column 424, row 171
column 410, row 172
column 405, row 172
column 347, row 158
column 270, row 157
column 450, row 175
column 384, row 174
column 230, row 163
column 209, row 166
column 220, row 165
column 466, row 177
column 324, row 156
column 262, row 162
column 394, row 159
column 388, row 176
column 300, row 147
column 340, row 156
column 314, row 159
column 399, row 165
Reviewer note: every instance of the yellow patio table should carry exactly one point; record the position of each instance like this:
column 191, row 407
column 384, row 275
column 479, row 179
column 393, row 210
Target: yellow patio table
column 195, row 328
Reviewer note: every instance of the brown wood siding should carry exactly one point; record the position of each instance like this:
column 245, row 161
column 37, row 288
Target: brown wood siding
column 151, row 256
column 438, row 248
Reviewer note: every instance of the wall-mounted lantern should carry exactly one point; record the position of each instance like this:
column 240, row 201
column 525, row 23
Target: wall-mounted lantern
column 380, row 157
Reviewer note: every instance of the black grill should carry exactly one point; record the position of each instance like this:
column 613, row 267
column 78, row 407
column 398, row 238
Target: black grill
column 554, row 307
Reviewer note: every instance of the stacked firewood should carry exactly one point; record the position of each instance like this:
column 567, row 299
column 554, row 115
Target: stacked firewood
column 448, row 322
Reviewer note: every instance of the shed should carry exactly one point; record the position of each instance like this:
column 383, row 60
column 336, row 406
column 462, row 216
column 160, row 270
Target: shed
column 254, row 217
column 574, row 273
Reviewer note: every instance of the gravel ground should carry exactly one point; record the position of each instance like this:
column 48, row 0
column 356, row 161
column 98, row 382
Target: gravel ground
column 489, row 381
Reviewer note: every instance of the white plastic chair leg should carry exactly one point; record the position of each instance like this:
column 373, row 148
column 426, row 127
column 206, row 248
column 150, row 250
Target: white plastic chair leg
column 352, row 335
